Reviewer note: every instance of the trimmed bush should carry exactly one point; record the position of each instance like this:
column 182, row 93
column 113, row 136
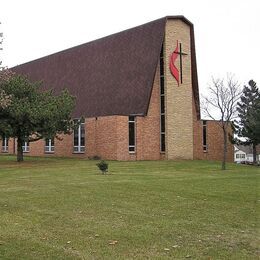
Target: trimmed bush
column 103, row 166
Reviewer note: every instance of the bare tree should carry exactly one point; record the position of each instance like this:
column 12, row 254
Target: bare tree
column 220, row 105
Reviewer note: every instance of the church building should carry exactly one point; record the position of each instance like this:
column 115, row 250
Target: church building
column 138, row 92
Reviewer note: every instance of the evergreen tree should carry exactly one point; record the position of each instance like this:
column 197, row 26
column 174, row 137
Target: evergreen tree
column 31, row 114
column 5, row 99
column 248, row 109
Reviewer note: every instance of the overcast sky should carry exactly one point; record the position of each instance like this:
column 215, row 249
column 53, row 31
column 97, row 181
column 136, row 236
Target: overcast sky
column 227, row 33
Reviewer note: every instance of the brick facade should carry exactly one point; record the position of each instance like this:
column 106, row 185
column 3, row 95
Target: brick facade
column 214, row 137
column 107, row 136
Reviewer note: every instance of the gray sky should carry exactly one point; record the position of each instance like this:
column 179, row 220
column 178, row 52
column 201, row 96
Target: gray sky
column 227, row 33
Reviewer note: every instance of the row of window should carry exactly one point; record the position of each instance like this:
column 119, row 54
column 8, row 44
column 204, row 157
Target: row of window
column 240, row 156
column 79, row 136
column 49, row 146
column 78, row 140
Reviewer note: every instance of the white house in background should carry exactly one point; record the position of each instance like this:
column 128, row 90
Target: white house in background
column 244, row 153
column 239, row 155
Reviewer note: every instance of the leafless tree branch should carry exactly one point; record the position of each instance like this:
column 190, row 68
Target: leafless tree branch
column 220, row 105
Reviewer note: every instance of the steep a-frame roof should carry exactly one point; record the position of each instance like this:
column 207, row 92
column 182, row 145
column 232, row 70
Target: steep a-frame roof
column 110, row 76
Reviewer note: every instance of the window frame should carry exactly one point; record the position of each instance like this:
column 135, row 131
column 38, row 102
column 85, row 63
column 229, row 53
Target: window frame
column 79, row 148
column 162, row 104
column 49, row 145
column 204, row 136
column 5, row 145
column 132, row 120
column 26, row 146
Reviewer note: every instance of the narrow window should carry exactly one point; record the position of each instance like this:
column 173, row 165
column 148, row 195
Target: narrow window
column 79, row 139
column 162, row 104
column 131, row 127
column 49, row 145
column 26, row 147
column 204, row 129
column 5, row 145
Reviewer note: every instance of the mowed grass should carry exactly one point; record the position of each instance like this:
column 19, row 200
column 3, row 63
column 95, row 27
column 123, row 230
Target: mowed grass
column 53, row 208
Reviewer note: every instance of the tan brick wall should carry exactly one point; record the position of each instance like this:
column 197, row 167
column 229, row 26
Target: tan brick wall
column 100, row 140
column 148, row 134
column 106, row 137
column 214, row 142
column 64, row 147
column 179, row 122
column 36, row 148
column 122, row 140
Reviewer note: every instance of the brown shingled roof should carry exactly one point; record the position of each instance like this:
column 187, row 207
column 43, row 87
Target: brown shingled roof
column 109, row 76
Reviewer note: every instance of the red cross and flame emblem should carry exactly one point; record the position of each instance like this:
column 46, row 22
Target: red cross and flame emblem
column 173, row 68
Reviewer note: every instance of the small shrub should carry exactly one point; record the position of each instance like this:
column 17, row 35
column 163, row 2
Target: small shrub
column 103, row 166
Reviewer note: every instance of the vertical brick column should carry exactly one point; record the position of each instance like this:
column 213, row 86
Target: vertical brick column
column 179, row 121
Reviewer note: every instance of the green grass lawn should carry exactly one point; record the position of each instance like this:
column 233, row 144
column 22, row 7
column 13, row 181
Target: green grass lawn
column 65, row 209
